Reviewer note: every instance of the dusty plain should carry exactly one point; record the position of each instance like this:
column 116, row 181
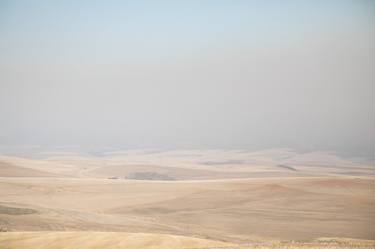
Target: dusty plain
column 185, row 199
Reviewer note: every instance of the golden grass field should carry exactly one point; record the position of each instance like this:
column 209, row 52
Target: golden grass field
column 209, row 199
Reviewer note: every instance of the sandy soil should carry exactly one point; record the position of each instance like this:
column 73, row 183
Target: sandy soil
column 99, row 240
column 115, row 240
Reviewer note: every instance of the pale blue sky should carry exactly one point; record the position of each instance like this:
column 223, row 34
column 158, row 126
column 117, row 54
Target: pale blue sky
column 45, row 29
column 188, row 74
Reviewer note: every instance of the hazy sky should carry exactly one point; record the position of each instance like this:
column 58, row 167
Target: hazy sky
column 188, row 74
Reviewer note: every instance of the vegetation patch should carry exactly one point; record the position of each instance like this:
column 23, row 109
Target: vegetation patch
column 16, row 211
column 149, row 176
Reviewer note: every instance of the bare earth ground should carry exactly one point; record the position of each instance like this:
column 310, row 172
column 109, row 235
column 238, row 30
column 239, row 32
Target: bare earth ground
column 209, row 199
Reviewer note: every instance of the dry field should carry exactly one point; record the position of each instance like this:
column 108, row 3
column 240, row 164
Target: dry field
column 114, row 240
column 186, row 199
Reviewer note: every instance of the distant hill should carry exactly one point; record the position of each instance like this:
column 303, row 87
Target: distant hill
column 10, row 170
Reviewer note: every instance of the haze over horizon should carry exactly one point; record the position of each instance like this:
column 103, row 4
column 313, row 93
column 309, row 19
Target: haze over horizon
column 193, row 75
